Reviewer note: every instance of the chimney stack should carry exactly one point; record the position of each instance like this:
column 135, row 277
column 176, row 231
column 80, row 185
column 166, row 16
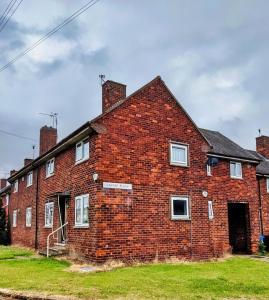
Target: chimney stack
column 12, row 172
column 112, row 92
column 262, row 145
column 27, row 161
column 3, row 183
column 48, row 139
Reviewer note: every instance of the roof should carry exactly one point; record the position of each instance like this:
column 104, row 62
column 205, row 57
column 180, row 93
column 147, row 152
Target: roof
column 221, row 145
column 263, row 167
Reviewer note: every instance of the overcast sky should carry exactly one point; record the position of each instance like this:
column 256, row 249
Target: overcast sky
column 213, row 55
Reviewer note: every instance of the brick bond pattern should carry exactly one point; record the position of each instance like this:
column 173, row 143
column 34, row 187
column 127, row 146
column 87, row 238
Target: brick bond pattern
column 136, row 224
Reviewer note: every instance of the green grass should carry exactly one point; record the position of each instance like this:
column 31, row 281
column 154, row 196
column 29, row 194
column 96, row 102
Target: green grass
column 7, row 252
column 233, row 278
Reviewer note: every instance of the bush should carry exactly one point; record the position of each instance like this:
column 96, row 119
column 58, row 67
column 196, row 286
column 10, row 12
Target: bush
column 4, row 226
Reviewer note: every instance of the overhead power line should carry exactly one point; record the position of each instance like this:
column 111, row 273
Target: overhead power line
column 7, row 10
column 10, row 16
column 17, row 135
column 51, row 32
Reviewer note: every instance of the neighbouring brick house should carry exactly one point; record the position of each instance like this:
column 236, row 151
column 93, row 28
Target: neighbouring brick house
column 5, row 189
column 140, row 181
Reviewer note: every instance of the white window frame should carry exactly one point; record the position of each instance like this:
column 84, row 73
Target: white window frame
column 28, row 218
column 82, row 198
column 185, row 147
column 210, row 210
column 29, row 179
column 236, row 163
column 49, row 225
column 15, row 218
column 50, row 173
column 208, row 170
column 16, row 186
column 267, row 184
column 84, row 155
column 180, row 217
column 7, row 199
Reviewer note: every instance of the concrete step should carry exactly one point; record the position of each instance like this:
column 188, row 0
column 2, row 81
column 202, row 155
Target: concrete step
column 56, row 250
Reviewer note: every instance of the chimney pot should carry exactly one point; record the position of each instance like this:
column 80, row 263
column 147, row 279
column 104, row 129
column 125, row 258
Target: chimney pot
column 112, row 92
column 262, row 145
column 48, row 139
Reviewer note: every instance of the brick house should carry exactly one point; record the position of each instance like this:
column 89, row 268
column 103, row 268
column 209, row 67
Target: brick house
column 5, row 189
column 140, row 181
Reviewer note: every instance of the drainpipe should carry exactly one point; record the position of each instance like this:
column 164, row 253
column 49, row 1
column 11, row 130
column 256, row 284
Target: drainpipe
column 36, row 208
column 260, row 205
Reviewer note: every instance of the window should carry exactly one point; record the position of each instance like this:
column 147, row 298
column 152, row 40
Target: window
column 179, row 155
column 16, row 186
column 30, row 179
column 49, row 207
column 210, row 210
column 180, row 208
column 236, row 170
column 82, row 150
column 208, row 170
column 7, row 199
column 14, row 223
column 267, row 184
column 82, row 211
column 28, row 216
column 50, row 167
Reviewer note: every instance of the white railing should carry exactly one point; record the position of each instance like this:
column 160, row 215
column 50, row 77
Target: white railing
column 48, row 237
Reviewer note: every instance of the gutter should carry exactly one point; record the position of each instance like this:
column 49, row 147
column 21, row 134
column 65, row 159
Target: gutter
column 233, row 158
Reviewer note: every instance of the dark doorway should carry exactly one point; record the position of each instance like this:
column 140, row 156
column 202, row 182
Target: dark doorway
column 238, row 216
column 62, row 219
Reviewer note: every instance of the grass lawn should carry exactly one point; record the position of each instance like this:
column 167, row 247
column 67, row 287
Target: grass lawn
column 12, row 252
column 233, row 278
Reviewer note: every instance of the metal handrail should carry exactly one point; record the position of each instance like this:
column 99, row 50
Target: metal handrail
column 48, row 237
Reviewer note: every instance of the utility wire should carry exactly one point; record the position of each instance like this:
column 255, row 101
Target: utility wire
column 13, row 12
column 51, row 32
column 17, row 135
column 7, row 10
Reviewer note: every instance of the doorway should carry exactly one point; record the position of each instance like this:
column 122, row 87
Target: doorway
column 62, row 219
column 239, row 233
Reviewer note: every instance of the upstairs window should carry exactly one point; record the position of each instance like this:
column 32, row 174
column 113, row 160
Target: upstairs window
column 7, row 199
column 179, row 154
column 14, row 219
column 267, row 185
column 29, row 179
column 49, row 208
column 82, row 211
column 50, row 167
column 16, row 186
column 208, row 170
column 236, row 170
column 28, row 216
column 180, row 208
column 82, row 150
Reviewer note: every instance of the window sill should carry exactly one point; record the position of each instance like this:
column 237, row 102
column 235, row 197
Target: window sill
column 27, row 186
column 179, row 165
column 81, row 226
column 233, row 177
column 48, row 176
column 29, row 226
column 180, row 219
column 47, row 227
column 81, row 161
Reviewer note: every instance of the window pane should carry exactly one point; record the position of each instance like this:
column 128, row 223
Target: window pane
column 233, row 169
column 52, row 166
column 85, row 210
column 238, row 170
column 78, row 211
column 86, row 150
column 79, row 152
column 178, row 154
column 180, row 207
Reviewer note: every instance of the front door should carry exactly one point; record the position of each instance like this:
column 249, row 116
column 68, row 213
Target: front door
column 62, row 220
column 238, row 217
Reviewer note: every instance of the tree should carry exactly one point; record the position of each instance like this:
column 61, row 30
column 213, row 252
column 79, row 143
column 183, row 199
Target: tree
column 4, row 232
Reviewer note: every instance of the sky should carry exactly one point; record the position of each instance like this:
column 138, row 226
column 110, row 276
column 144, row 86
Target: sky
column 213, row 55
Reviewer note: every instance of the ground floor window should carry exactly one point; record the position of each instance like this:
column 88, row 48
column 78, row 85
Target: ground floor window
column 180, row 208
column 210, row 210
column 49, row 207
column 14, row 219
column 82, row 210
column 28, row 217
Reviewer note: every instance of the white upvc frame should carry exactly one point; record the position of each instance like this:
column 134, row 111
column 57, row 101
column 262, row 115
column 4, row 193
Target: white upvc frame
column 237, row 165
column 29, row 179
column 15, row 218
column 28, row 217
column 210, row 210
column 267, row 184
column 81, row 199
column 16, row 186
column 84, row 152
column 208, row 170
column 181, row 146
column 49, row 170
column 49, row 205
column 180, row 217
